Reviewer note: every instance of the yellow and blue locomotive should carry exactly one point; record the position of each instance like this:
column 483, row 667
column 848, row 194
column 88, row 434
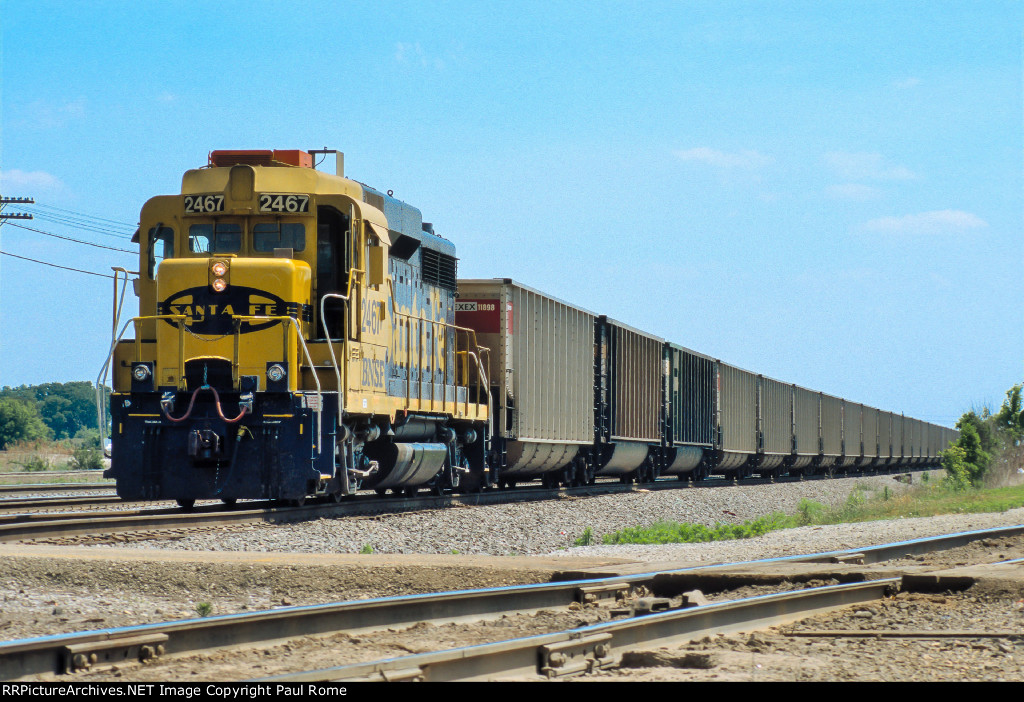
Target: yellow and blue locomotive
column 296, row 337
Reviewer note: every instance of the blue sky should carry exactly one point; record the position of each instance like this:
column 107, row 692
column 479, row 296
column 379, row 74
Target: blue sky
column 829, row 193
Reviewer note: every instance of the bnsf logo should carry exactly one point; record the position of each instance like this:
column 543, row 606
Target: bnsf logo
column 373, row 372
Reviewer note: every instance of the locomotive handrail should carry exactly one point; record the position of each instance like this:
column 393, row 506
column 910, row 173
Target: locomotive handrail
column 101, row 378
column 101, row 381
column 347, row 298
column 471, row 339
column 342, row 388
column 239, row 318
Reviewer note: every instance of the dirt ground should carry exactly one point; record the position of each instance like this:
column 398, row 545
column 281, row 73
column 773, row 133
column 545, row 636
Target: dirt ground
column 48, row 590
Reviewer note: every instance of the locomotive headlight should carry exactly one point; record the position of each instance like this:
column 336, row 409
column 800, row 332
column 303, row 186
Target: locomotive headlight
column 140, row 372
column 275, row 373
column 218, row 285
column 219, row 269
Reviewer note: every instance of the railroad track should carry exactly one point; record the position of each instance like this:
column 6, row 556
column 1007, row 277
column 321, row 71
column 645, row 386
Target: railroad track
column 27, row 505
column 55, row 487
column 647, row 622
column 19, row 523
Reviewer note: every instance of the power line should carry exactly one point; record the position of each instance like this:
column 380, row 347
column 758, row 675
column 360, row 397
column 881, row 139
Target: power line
column 87, row 216
column 84, row 224
column 68, row 238
column 54, row 265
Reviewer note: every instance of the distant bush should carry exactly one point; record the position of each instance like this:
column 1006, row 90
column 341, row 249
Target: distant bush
column 35, row 464
column 86, row 458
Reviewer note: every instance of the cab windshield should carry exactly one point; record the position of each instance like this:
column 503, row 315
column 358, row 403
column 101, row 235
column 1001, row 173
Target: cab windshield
column 219, row 238
column 227, row 237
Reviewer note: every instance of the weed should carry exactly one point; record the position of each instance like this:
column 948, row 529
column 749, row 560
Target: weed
column 455, row 551
column 810, row 512
column 204, row 609
column 367, row 548
column 585, row 539
column 921, row 501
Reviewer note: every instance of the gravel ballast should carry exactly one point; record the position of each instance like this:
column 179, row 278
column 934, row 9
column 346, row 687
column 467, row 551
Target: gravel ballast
column 551, row 527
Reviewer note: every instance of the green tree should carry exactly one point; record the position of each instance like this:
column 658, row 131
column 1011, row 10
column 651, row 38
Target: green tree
column 1010, row 417
column 984, row 428
column 977, row 458
column 958, row 472
column 66, row 408
column 20, row 421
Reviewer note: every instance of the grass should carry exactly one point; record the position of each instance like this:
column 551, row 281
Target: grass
column 929, row 498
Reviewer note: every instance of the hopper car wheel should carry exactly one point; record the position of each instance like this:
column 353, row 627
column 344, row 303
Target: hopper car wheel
column 186, row 505
column 568, row 477
column 589, row 475
column 229, row 501
column 410, row 491
column 381, row 492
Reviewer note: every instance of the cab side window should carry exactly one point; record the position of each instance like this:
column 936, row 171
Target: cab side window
column 161, row 246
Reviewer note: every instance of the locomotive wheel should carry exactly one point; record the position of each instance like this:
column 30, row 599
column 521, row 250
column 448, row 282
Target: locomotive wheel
column 297, row 501
column 229, row 501
column 186, row 505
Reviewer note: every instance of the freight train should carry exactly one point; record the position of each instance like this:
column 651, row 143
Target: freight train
column 301, row 334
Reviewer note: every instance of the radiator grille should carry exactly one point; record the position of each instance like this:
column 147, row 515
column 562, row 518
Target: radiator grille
column 440, row 269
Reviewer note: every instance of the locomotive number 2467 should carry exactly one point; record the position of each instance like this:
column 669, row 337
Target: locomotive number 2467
column 272, row 202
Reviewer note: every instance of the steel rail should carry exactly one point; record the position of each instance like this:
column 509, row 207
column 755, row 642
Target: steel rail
column 49, row 473
column 56, row 487
column 10, row 504
column 94, row 515
column 600, row 646
column 57, row 654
